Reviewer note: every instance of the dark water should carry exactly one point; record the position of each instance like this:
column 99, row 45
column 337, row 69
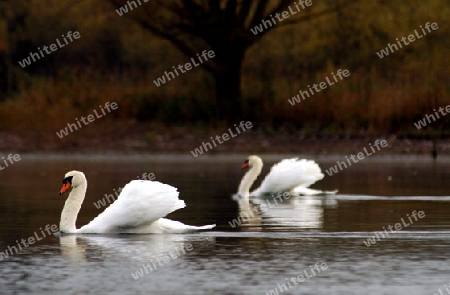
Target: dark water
column 258, row 257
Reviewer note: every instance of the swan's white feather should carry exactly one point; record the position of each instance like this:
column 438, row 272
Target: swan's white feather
column 304, row 191
column 289, row 174
column 168, row 226
column 140, row 203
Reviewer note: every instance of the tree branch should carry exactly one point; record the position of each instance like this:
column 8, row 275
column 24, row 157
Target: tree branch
column 310, row 16
column 178, row 42
column 259, row 12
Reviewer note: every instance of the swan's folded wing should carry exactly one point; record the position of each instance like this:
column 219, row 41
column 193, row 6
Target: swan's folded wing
column 140, row 202
column 288, row 174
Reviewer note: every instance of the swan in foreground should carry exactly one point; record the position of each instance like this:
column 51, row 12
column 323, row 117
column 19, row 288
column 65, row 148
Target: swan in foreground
column 139, row 209
column 289, row 175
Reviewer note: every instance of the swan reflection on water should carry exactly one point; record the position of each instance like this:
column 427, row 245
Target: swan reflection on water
column 131, row 247
column 300, row 212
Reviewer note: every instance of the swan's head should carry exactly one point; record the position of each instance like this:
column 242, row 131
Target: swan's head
column 252, row 161
column 72, row 179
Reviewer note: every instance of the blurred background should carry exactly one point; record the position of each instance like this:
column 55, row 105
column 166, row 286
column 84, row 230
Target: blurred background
column 250, row 78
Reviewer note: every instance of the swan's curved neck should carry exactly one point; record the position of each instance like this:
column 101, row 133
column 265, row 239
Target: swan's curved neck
column 71, row 208
column 248, row 179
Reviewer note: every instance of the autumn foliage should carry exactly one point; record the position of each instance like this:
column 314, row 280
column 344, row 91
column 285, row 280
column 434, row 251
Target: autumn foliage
column 116, row 59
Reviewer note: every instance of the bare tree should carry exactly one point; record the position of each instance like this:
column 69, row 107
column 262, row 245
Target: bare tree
column 223, row 26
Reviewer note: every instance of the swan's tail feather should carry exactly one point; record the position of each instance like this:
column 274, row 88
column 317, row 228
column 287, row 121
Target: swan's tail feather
column 168, row 226
column 330, row 192
column 180, row 204
column 310, row 192
column 204, row 227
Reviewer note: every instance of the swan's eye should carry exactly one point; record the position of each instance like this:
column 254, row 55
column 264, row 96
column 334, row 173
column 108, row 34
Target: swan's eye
column 67, row 179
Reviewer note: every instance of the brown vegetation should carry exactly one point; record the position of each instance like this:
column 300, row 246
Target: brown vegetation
column 117, row 60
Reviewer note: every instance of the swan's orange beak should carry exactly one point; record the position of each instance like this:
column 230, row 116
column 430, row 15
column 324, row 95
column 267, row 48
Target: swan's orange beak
column 64, row 188
column 245, row 165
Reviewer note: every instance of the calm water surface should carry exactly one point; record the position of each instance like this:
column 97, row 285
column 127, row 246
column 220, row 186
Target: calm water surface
column 257, row 257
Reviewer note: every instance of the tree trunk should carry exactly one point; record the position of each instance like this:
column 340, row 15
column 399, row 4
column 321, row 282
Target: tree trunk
column 6, row 73
column 227, row 76
column 3, row 76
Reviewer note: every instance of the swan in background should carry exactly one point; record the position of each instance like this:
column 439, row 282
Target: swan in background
column 289, row 175
column 139, row 209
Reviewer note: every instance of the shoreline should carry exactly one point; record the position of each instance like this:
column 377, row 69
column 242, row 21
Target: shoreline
column 253, row 142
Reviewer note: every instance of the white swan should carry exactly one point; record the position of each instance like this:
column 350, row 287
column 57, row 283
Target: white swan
column 139, row 209
column 289, row 175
